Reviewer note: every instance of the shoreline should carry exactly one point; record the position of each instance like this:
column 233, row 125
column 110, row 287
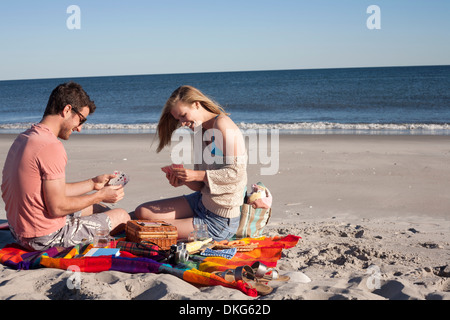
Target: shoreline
column 284, row 128
column 356, row 201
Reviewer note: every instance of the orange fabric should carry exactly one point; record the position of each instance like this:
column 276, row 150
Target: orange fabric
column 13, row 254
column 268, row 252
column 200, row 278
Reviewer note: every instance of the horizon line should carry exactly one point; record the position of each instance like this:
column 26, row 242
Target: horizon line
column 234, row 71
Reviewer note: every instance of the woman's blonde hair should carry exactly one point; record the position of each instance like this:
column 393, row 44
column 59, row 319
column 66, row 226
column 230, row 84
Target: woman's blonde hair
column 168, row 124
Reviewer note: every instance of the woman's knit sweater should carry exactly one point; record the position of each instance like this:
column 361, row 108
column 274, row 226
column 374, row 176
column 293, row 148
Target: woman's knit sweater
column 223, row 193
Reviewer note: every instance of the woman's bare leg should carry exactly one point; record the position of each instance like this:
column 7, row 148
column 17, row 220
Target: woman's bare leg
column 175, row 211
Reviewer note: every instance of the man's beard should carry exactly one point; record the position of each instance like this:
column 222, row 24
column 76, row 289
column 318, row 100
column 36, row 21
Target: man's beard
column 65, row 133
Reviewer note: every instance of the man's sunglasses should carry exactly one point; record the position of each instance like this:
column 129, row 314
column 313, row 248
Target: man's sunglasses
column 82, row 118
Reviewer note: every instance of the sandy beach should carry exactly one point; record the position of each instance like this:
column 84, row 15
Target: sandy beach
column 373, row 212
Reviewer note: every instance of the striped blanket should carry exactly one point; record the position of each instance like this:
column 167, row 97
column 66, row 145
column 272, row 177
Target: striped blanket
column 268, row 252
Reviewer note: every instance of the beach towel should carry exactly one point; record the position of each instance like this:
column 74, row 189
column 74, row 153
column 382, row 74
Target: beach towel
column 268, row 251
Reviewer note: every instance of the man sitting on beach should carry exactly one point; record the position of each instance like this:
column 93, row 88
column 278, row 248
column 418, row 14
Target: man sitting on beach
column 42, row 209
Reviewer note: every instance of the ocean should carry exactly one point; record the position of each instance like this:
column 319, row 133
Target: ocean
column 385, row 100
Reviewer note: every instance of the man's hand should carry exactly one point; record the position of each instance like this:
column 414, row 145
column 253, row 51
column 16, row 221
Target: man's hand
column 111, row 194
column 102, row 180
column 59, row 204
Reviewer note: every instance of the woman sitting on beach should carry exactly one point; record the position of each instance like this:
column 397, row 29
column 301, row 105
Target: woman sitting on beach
column 219, row 177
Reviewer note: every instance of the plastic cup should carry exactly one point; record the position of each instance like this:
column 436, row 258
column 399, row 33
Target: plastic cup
column 101, row 238
column 201, row 232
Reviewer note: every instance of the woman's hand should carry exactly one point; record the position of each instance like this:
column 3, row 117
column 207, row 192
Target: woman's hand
column 188, row 175
column 173, row 180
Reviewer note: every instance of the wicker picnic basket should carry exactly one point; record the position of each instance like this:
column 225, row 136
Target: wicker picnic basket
column 159, row 232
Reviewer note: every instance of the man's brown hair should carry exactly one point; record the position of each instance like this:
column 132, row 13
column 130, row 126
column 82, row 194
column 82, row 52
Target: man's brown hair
column 68, row 93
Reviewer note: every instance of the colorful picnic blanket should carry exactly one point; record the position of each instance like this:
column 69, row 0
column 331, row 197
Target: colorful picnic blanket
column 268, row 251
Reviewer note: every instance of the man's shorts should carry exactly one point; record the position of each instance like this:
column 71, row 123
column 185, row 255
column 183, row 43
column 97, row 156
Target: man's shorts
column 77, row 230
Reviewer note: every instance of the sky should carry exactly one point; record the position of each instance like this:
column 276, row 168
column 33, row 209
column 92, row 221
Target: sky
column 172, row 36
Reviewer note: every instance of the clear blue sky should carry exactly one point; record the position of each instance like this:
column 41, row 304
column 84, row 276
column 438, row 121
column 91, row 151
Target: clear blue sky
column 173, row 36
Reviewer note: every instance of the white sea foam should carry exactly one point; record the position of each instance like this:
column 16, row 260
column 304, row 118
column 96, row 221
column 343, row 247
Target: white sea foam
column 330, row 126
column 90, row 128
column 291, row 128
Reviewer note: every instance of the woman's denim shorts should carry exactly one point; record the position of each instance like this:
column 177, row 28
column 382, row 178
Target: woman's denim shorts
column 219, row 228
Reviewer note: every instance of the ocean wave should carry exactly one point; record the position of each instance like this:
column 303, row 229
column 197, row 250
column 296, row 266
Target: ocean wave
column 300, row 127
column 348, row 126
column 89, row 127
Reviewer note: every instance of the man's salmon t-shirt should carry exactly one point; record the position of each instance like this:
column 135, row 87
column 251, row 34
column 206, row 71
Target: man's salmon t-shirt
column 36, row 155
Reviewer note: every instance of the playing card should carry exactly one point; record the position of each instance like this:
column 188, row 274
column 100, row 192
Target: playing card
column 168, row 169
column 121, row 179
